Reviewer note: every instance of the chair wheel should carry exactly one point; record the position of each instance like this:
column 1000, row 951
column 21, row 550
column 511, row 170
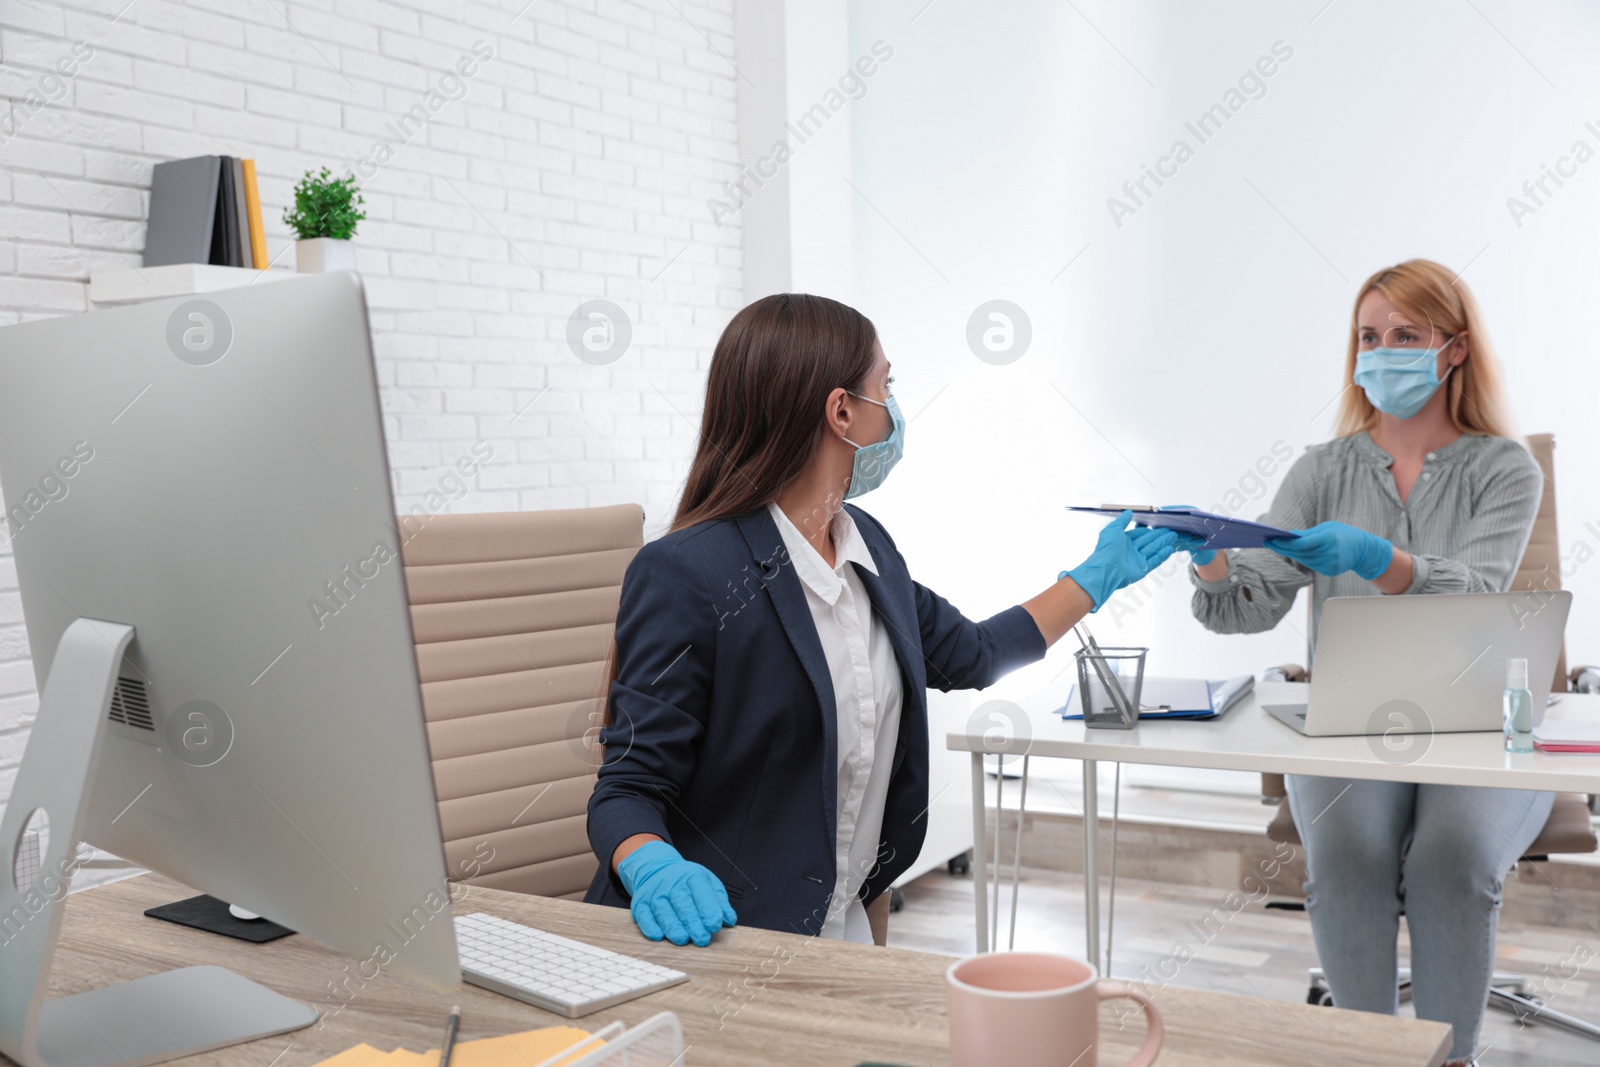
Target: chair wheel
column 961, row 864
column 1319, row 997
column 897, row 900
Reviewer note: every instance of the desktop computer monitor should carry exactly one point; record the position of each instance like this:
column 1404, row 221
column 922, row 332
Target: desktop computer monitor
column 210, row 472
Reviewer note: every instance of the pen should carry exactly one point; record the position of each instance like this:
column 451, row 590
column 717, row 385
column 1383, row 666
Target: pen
column 448, row 1045
column 1097, row 660
column 1088, row 638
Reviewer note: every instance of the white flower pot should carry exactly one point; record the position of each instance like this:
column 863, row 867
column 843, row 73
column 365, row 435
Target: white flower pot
column 320, row 255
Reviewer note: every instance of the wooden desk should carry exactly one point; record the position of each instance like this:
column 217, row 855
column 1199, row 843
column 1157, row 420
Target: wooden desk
column 757, row 997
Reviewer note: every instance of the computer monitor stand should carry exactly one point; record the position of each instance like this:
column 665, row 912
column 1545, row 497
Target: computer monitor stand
column 147, row 1020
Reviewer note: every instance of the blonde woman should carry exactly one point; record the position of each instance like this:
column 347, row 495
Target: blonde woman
column 1422, row 491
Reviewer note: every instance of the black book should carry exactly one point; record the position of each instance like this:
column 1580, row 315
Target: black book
column 183, row 211
column 226, row 241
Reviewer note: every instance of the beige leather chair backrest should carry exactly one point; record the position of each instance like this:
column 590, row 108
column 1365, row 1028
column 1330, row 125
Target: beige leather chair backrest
column 513, row 615
column 1540, row 568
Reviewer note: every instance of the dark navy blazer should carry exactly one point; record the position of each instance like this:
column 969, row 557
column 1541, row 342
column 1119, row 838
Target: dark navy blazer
column 723, row 736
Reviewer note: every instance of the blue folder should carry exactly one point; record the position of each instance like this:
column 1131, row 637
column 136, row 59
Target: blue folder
column 1220, row 531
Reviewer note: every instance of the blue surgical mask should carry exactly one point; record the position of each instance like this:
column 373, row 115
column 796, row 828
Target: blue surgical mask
column 874, row 462
column 1399, row 381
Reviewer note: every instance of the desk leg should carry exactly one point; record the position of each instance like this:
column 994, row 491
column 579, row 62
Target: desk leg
column 980, row 855
column 1091, row 861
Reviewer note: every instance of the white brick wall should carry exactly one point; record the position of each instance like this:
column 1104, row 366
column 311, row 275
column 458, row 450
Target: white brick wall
column 583, row 151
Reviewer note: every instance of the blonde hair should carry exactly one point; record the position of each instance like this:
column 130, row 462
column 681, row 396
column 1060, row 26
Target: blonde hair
column 1430, row 294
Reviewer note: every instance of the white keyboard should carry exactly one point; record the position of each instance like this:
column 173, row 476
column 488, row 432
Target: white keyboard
column 551, row 972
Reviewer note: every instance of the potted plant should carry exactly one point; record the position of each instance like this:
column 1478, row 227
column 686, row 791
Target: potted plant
column 326, row 210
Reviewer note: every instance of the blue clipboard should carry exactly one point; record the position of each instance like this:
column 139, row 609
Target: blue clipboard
column 1223, row 695
column 1220, row 531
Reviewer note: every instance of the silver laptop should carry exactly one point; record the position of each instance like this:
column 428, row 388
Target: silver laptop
column 1426, row 664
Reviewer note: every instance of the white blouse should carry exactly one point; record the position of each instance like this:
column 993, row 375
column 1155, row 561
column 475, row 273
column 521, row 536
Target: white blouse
column 867, row 694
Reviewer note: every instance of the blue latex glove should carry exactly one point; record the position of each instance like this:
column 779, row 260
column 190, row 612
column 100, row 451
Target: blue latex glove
column 1334, row 547
column 672, row 897
column 1121, row 557
column 1193, row 544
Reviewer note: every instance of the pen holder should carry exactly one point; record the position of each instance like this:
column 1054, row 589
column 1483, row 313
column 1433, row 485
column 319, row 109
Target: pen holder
column 1109, row 684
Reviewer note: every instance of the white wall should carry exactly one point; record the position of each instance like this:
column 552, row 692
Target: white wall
column 576, row 165
column 1169, row 355
column 795, row 105
column 1182, row 346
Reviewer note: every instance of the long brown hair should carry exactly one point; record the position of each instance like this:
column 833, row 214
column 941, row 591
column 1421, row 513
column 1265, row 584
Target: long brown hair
column 1431, row 294
column 771, row 373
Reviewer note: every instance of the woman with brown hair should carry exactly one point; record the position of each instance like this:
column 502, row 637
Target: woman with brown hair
column 1422, row 491
column 766, row 744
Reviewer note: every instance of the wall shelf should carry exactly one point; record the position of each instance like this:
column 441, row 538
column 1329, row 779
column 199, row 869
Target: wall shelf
column 132, row 285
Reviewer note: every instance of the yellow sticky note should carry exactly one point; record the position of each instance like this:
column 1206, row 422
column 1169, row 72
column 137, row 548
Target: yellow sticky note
column 513, row 1050
column 519, row 1050
column 362, row 1055
column 402, row 1058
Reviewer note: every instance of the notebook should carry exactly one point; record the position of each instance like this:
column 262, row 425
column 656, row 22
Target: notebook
column 252, row 200
column 225, row 232
column 241, row 215
column 183, row 211
column 1558, row 736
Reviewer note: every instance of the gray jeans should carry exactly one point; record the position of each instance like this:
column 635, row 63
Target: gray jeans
column 1440, row 850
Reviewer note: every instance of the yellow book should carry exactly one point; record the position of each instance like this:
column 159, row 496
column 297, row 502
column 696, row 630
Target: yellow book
column 258, row 233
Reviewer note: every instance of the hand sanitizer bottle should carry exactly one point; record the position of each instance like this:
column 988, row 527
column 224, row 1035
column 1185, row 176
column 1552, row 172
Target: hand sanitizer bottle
column 1518, row 704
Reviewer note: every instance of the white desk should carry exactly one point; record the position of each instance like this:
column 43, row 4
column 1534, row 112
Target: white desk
column 1248, row 739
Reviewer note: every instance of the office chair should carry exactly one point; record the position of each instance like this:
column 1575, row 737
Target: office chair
column 513, row 616
column 1568, row 829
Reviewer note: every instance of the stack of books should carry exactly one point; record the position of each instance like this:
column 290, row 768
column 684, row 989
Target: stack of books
column 205, row 210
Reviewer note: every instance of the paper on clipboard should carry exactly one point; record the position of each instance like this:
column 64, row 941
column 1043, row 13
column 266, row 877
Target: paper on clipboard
column 1220, row 531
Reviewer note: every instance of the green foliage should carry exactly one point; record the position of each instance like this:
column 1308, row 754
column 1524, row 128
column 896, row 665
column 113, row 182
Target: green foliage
column 325, row 206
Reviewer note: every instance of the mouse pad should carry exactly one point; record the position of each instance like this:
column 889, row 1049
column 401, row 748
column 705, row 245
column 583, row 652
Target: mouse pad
column 212, row 915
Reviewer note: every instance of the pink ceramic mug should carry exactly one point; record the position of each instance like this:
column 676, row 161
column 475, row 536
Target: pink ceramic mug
column 1035, row 1009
